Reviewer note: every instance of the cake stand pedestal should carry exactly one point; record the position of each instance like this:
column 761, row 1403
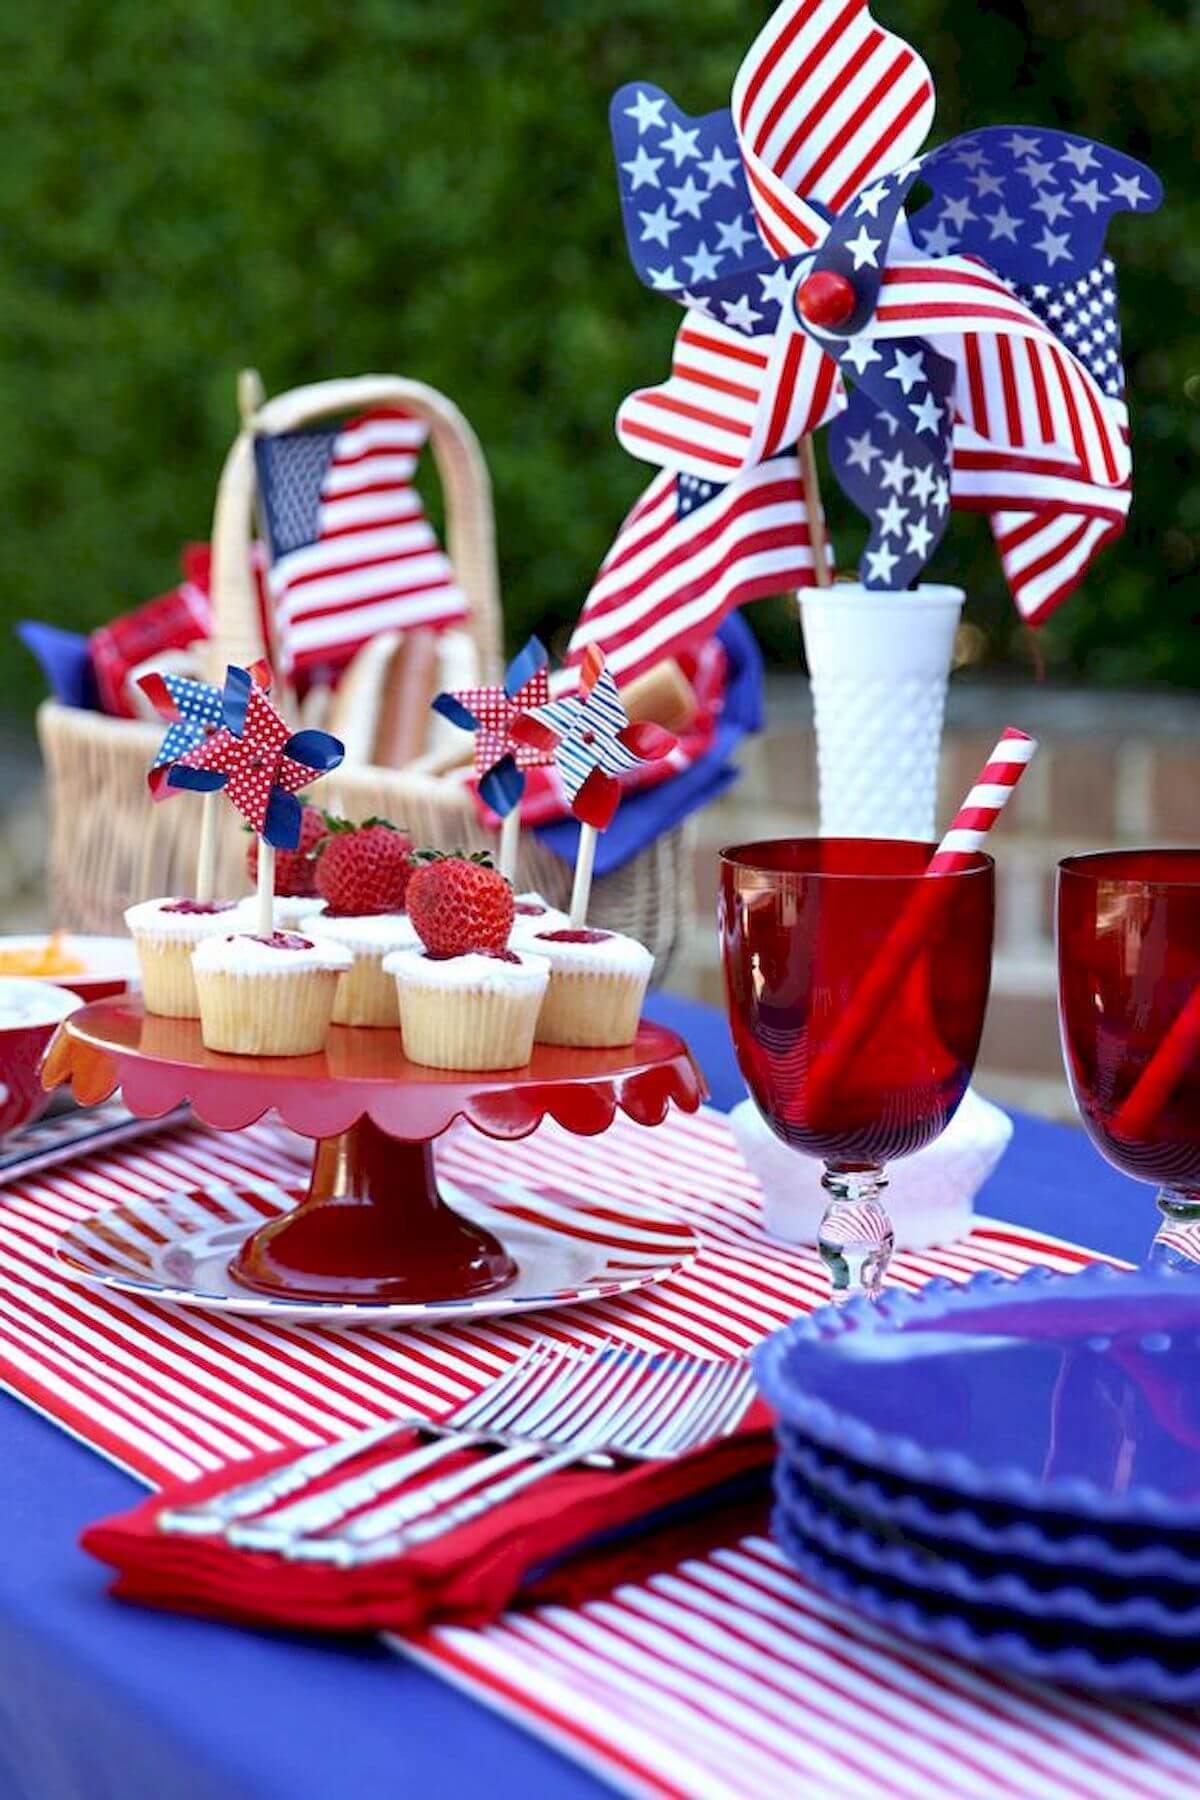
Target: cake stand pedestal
column 372, row 1226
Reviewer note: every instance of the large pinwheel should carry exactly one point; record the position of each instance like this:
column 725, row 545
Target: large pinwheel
column 978, row 336
column 258, row 761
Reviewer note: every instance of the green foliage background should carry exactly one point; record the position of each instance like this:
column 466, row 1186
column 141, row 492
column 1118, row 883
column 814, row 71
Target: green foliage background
column 425, row 186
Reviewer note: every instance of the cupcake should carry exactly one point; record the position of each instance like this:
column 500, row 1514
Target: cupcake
column 598, row 980
column 532, row 914
column 362, row 874
column 267, row 996
column 467, row 999
column 366, row 995
column 475, row 1010
column 165, row 932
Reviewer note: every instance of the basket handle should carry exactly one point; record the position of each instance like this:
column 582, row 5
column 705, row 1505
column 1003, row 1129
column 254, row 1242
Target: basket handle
column 470, row 526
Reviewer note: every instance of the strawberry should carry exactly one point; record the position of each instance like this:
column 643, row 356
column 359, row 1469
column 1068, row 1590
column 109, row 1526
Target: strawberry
column 364, row 868
column 459, row 903
column 295, row 874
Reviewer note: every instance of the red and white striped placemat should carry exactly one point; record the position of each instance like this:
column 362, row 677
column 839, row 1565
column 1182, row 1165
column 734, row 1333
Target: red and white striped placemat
column 728, row 1676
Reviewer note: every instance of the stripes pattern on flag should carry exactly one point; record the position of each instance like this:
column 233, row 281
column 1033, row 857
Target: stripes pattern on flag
column 352, row 552
column 688, row 552
column 725, row 1676
column 824, row 101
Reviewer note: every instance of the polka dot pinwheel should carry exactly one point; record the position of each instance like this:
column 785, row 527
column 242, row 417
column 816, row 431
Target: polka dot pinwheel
column 258, row 761
column 489, row 712
column 592, row 742
column 194, row 711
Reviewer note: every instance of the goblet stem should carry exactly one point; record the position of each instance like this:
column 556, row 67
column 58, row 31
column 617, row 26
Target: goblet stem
column 1177, row 1241
column 856, row 1238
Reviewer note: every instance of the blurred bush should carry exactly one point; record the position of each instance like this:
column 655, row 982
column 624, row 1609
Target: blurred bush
column 190, row 185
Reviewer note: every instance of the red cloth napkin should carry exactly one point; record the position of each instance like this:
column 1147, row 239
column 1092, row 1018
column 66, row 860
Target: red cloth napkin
column 556, row 1531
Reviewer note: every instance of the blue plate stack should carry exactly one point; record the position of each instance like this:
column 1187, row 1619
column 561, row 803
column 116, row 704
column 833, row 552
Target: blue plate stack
column 1007, row 1469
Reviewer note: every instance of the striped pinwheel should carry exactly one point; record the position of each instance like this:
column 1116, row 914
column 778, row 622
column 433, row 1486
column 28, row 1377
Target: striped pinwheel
column 590, row 738
column 979, row 336
column 489, row 712
column 258, row 761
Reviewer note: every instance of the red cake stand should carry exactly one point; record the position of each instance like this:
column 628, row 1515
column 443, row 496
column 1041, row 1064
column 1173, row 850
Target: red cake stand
column 372, row 1225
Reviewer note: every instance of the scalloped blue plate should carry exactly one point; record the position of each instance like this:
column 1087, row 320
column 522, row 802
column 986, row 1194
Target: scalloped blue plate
column 995, row 1638
column 1122, row 1553
column 1075, row 1394
column 980, row 1583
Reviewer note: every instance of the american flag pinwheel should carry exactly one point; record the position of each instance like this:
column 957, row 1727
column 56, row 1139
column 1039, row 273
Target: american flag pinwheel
column 591, row 739
column 500, row 759
column 258, row 761
column 978, row 335
column 193, row 710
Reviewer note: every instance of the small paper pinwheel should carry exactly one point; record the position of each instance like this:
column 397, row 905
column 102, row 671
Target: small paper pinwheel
column 500, row 760
column 194, row 710
column 258, row 761
column 592, row 741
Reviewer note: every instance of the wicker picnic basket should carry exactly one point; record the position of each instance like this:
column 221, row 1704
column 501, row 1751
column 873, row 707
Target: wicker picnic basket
column 111, row 845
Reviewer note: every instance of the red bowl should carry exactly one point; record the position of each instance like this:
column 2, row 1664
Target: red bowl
column 30, row 1012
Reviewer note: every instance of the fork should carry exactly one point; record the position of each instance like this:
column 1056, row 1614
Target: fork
column 539, row 1372
column 633, row 1407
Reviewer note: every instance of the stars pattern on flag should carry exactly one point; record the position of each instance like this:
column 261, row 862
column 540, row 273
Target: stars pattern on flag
column 1084, row 315
column 258, row 761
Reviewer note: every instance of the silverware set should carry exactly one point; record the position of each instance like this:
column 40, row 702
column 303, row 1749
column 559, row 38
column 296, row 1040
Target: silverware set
column 552, row 1409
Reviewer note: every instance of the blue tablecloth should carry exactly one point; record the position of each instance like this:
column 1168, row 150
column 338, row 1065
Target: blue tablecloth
column 99, row 1700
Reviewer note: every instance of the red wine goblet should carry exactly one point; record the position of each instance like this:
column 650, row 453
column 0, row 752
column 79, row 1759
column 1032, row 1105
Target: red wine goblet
column 857, row 986
column 1129, row 1011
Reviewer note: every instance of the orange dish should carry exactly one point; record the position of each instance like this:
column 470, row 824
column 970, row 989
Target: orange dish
column 49, row 959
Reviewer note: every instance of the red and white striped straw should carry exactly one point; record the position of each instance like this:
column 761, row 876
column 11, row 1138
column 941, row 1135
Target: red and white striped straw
column 965, row 838
column 983, row 805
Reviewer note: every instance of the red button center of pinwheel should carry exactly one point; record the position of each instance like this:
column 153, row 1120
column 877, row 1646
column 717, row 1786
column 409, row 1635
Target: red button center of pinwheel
column 826, row 299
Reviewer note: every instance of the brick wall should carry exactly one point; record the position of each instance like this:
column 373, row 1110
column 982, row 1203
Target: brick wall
column 1112, row 769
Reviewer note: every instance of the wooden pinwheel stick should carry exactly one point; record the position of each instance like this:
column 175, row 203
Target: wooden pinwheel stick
column 206, row 856
column 581, row 891
column 510, row 843
column 817, row 537
column 265, row 890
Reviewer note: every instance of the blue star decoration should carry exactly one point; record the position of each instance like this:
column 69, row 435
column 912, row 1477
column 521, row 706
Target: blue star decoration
column 689, row 223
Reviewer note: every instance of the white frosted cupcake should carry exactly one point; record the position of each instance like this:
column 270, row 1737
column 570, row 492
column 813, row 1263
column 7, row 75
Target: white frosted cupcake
column 532, row 914
column 165, row 932
column 475, row 1011
column 598, row 980
column 365, row 994
column 264, row 996
column 292, row 912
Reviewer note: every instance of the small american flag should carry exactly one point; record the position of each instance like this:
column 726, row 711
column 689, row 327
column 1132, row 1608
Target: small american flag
column 352, row 552
column 688, row 552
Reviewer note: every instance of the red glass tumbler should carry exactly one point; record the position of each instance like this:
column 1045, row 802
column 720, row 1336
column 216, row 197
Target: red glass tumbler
column 857, row 987
column 1129, row 1011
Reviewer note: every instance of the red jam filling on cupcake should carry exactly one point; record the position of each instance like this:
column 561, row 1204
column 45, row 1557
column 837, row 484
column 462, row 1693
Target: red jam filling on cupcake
column 575, row 935
column 199, row 908
column 282, row 940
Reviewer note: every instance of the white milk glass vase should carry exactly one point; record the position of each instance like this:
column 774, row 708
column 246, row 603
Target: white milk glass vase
column 879, row 664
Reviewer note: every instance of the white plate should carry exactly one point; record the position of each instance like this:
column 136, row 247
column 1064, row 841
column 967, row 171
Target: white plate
column 110, row 963
column 178, row 1247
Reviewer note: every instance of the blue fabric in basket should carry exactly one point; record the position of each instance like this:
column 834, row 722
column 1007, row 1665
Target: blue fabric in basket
column 646, row 814
column 65, row 662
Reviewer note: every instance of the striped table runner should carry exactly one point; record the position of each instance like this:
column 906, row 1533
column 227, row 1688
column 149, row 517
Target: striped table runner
column 727, row 1676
